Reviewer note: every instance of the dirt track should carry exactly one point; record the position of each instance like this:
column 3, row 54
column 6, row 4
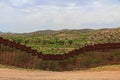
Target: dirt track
column 10, row 74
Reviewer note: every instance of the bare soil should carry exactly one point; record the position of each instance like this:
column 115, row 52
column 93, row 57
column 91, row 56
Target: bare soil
column 14, row 74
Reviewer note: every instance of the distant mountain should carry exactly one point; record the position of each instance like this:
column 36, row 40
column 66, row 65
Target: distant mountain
column 44, row 32
column 64, row 30
column 0, row 32
column 84, row 30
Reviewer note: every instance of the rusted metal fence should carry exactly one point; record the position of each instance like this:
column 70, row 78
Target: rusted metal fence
column 17, row 46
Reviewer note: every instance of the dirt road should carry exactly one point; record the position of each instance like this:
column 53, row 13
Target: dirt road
column 13, row 74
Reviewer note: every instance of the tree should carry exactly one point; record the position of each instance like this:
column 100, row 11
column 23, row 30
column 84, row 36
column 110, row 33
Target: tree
column 70, row 42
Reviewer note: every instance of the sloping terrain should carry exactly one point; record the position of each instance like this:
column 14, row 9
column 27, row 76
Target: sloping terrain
column 63, row 41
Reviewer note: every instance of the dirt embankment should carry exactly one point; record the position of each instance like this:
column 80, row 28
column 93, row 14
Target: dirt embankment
column 13, row 74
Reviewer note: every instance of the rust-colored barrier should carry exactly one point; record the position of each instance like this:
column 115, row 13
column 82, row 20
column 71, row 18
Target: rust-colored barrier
column 81, row 50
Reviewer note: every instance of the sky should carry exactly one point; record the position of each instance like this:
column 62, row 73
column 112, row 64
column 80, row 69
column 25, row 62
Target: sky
column 19, row 16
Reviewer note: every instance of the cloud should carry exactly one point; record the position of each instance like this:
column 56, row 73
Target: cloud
column 18, row 2
column 70, row 14
column 21, row 2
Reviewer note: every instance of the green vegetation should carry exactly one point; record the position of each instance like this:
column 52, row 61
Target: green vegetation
column 5, row 66
column 59, row 42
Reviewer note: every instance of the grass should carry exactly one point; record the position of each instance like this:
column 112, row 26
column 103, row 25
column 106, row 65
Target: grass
column 106, row 68
column 100, row 68
column 17, row 68
column 9, row 67
column 5, row 66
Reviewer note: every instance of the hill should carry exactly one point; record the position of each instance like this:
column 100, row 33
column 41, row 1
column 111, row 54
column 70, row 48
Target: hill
column 62, row 41
column 105, row 35
column 0, row 32
column 64, row 30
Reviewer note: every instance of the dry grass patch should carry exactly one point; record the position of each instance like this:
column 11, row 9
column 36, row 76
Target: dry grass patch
column 106, row 68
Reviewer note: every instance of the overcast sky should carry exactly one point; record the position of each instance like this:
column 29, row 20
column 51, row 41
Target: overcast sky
column 32, row 15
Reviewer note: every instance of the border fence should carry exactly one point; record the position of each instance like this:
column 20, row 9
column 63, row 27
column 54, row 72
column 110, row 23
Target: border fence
column 100, row 46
